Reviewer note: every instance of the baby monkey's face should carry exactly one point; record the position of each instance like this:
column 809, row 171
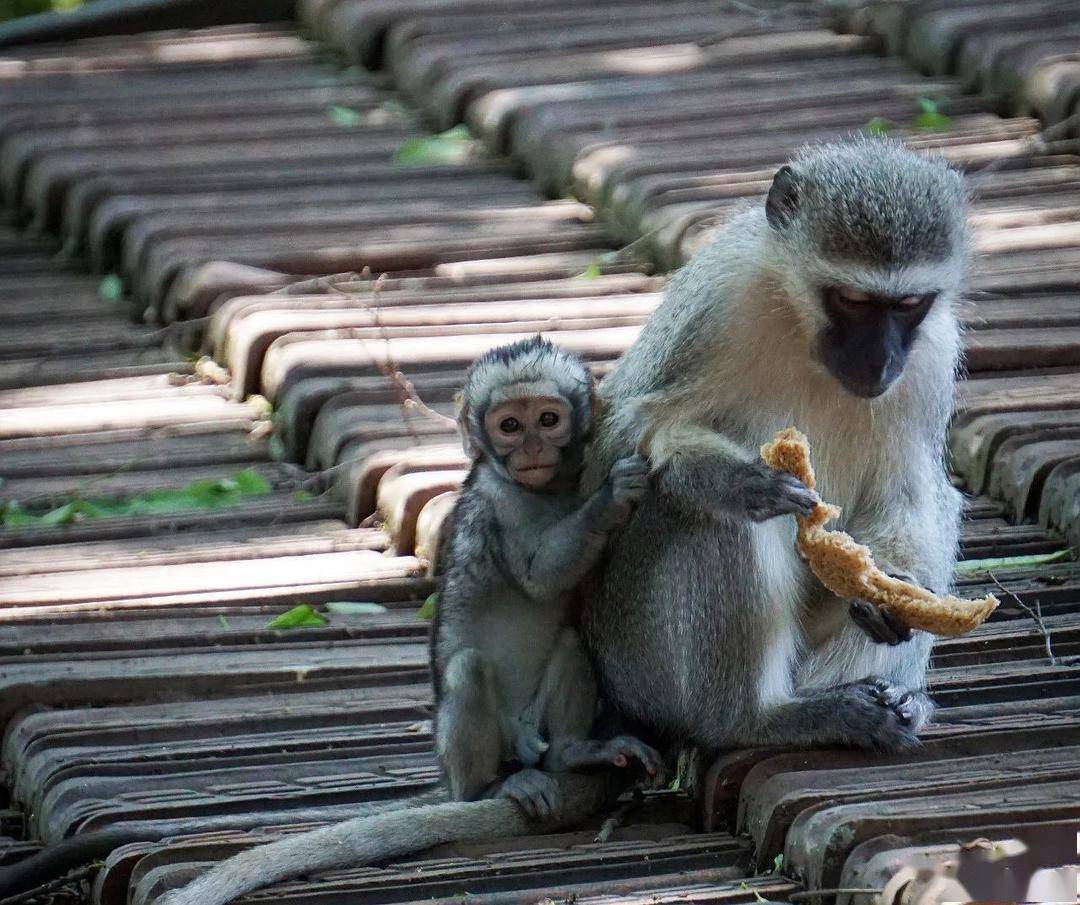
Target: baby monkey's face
column 529, row 435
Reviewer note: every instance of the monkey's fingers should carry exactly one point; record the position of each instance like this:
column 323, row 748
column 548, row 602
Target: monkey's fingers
column 770, row 493
column 878, row 624
column 802, row 499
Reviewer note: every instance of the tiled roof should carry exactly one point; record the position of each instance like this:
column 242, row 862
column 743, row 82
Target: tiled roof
column 234, row 193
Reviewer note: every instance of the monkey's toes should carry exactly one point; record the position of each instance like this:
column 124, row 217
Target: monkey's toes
column 530, row 746
column 625, row 748
column 883, row 716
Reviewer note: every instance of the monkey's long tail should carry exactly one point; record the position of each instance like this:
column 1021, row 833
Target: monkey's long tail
column 369, row 840
column 56, row 860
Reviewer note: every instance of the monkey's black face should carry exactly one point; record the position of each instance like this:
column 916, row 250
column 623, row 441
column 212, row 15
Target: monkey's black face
column 866, row 342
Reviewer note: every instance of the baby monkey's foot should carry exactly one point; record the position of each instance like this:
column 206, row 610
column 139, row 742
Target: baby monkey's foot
column 529, row 746
column 614, row 752
column 535, row 792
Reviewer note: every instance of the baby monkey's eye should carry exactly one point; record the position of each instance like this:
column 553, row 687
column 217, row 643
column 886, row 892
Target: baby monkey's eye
column 549, row 419
column 509, row 425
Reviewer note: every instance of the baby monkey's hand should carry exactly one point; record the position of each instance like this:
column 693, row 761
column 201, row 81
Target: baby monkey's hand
column 627, row 480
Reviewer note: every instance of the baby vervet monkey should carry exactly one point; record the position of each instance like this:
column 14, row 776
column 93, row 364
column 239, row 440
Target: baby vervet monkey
column 512, row 681
column 515, row 695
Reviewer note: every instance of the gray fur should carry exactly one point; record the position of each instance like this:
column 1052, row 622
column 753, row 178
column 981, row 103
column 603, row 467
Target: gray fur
column 705, row 625
column 513, row 687
column 505, row 604
column 846, row 203
column 369, row 840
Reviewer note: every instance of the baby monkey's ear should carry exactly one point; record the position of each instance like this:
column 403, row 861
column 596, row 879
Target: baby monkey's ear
column 468, row 441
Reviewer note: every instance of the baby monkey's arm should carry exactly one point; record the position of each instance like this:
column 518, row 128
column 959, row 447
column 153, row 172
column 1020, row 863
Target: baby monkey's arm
column 566, row 551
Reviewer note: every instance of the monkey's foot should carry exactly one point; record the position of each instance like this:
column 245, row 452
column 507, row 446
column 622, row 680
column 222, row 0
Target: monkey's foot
column 529, row 746
column 615, row 752
column 883, row 716
column 879, row 626
column 535, row 792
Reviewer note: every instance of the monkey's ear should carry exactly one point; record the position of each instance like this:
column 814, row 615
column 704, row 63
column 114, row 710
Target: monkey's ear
column 783, row 200
column 467, row 442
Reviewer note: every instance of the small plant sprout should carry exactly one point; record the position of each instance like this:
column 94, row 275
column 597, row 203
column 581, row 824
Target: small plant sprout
column 930, row 118
column 878, row 126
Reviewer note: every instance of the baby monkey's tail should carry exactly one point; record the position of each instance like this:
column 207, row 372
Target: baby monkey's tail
column 373, row 839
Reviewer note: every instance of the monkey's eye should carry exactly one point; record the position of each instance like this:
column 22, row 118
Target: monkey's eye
column 852, row 296
column 914, row 303
column 549, row 419
column 846, row 302
column 509, row 425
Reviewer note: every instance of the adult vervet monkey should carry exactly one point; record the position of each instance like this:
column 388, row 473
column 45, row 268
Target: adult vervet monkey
column 830, row 307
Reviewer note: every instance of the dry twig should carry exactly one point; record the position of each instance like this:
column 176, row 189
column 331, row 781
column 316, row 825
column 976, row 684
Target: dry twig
column 1035, row 614
column 410, row 399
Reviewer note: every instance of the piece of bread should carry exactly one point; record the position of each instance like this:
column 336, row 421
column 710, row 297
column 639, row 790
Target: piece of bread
column 847, row 569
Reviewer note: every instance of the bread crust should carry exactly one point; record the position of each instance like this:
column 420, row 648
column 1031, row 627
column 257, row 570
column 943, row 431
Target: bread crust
column 847, row 568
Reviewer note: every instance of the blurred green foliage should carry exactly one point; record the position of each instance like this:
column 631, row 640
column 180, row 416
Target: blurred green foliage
column 12, row 9
column 212, row 493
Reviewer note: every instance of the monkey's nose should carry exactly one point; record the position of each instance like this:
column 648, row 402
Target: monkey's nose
column 533, row 445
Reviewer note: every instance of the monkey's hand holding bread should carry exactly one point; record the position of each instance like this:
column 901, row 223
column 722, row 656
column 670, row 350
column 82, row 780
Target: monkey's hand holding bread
column 847, row 569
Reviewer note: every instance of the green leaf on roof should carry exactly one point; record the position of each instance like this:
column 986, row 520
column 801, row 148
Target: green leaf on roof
column 13, row 516
column 593, row 271
column 74, row 511
column 111, row 288
column 211, row 493
column 427, row 611
column 343, row 116
column 1004, row 563
column 303, row 616
column 354, row 608
column 250, row 483
column 454, row 146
